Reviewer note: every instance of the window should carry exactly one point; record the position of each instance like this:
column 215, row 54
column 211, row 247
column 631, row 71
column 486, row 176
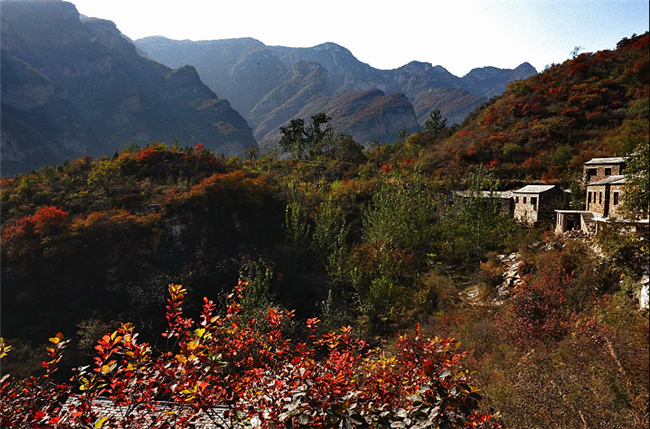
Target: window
column 589, row 197
column 533, row 201
column 517, row 200
column 600, row 197
column 524, row 200
column 608, row 171
column 591, row 172
column 615, row 198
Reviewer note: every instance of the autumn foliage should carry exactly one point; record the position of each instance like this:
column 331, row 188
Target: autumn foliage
column 253, row 374
column 584, row 107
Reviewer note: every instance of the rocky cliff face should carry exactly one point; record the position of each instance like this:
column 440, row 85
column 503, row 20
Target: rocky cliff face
column 73, row 88
column 305, row 82
column 366, row 115
column 243, row 69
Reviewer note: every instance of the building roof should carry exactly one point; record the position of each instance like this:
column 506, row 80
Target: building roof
column 618, row 179
column 601, row 161
column 534, row 189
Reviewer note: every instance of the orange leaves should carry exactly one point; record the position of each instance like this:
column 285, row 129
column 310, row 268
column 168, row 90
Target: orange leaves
column 259, row 376
column 29, row 232
column 533, row 164
column 386, row 168
column 44, row 221
column 147, row 155
column 492, row 164
column 312, row 323
column 274, row 317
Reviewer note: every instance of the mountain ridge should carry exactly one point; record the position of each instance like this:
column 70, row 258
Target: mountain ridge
column 73, row 87
column 219, row 63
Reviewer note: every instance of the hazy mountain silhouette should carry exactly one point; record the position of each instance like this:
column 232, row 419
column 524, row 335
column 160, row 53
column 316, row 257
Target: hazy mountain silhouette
column 73, row 87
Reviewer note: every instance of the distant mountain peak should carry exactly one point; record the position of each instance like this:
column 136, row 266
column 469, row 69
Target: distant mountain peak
column 268, row 83
column 330, row 45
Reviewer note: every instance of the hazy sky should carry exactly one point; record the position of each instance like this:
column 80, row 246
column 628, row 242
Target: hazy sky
column 457, row 34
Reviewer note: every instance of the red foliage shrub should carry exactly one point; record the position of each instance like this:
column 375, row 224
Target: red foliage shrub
column 536, row 308
column 256, row 376
column 491, row 118
column 532, row 164
column 386, row 168
column 147, row 155
column 579, row 67
column 407, row 161
column 551, row 175
column 26, row 233
column 47, row 219
column 499, row 137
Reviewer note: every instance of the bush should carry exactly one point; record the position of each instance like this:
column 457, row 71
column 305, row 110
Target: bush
column 256, row 376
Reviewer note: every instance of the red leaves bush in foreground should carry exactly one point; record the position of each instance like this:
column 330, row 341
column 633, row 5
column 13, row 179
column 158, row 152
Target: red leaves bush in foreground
column 229, row 372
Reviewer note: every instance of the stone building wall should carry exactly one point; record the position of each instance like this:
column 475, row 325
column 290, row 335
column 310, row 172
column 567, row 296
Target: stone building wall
column 614, row 170
column 615, row 200
column 597, row 199
column 525, row 210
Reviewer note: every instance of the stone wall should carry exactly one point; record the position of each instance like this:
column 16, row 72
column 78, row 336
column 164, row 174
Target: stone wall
column 599, row 199
column 616, row 169
column 615, row 200
column 525, row 211
column 544, row 206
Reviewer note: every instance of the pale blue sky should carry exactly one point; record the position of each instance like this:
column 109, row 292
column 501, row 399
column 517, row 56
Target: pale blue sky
column 459, row 35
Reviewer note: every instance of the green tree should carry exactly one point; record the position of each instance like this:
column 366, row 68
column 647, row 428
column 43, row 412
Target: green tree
column 475, row 222
column 436, row 125
column 294, row 139
column 251, row 153
column 314, row 132
column 637, row 186
column 402, row 214
column 403, row 134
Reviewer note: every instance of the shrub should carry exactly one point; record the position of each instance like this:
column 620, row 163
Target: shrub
column 258, row 377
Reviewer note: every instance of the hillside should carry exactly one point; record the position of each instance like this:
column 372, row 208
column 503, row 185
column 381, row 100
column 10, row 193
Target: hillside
column 376, row 240
column 545, row 127
column 228, row 65
column 73, row 87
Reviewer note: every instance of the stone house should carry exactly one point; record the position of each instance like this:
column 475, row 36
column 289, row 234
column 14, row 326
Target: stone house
column 532, row 203
column 605, row 182
column 604, row 196
column 597, row 169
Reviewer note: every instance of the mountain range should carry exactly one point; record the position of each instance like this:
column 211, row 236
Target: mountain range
column 73, row 87
column 269, row 85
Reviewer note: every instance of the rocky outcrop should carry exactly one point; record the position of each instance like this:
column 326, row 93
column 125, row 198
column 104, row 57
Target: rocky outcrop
column 365, row 115
column 73, row 88
column 511, row 277
column 306, row 82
